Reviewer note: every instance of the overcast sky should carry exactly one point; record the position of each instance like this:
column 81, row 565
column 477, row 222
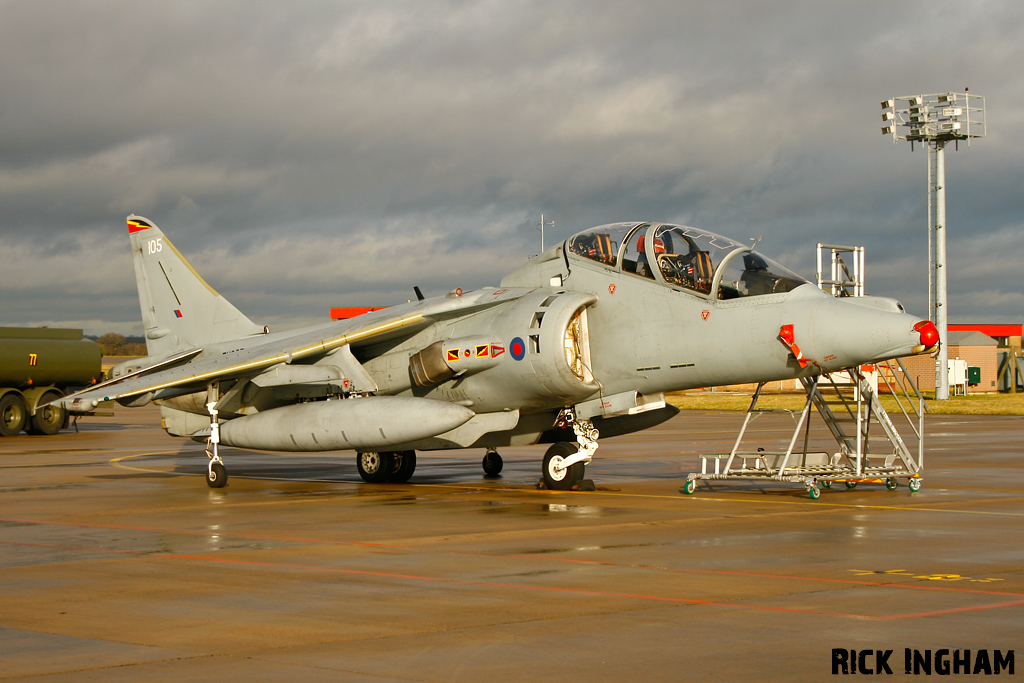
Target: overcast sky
column 305, row 155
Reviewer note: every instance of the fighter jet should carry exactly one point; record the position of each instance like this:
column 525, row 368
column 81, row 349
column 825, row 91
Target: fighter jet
column 581, row 342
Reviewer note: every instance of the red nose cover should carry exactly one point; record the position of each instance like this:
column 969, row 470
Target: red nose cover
column 929, row 333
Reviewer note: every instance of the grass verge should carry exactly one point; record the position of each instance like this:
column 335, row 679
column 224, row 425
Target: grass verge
column 974, row 404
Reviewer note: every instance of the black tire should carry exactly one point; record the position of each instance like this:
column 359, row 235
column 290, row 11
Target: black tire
column 374, row 467
column 48, row 420
column 564, row 479
column 403, row 464
column 492, row 464
column 12, row 414
column 217, row 476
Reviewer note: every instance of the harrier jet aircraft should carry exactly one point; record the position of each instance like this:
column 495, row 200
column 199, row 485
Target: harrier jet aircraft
column 581, row 342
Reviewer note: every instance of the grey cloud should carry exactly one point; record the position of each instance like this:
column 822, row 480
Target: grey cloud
column 450, row 126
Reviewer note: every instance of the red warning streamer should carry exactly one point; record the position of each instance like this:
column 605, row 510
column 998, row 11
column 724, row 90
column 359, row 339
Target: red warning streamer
column 788, row 337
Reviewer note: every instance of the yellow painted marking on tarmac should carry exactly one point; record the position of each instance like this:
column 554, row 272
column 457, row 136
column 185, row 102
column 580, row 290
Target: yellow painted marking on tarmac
column 924, row 577
column 116, row 462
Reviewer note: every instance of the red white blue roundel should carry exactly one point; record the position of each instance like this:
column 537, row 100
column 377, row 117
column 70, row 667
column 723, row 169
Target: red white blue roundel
column 517, row 348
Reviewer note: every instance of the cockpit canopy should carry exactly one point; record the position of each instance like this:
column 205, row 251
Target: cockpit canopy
column 685, row 258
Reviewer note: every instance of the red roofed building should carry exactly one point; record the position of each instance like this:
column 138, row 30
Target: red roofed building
column 978, row 345
column 1005, row 335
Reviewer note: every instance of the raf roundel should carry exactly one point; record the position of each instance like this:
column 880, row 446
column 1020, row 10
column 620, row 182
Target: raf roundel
column 517, row 348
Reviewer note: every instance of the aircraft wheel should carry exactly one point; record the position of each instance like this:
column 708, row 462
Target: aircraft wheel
column 217, row 475
column 892, row 484
column 492, row 464
column 557, row 478
column 851, row 484
column 915, row 484
column 690, row 486
column 374, row 467
column 48, row 420
column 403, row 464
column 12, row 414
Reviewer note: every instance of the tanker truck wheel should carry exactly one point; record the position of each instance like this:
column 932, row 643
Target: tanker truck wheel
column 48, row 420
column 12, row 414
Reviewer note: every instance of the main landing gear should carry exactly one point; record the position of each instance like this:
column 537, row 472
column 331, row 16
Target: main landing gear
column 492, row 463
column 386, row 466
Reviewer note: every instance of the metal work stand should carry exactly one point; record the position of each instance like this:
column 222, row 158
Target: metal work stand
column 849, row 408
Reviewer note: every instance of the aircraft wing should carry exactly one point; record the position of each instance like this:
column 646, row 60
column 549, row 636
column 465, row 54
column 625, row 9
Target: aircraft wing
column 256, row 354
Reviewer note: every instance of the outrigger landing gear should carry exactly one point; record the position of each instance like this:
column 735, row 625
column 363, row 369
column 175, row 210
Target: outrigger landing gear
column 216, row 473
column 565, row 462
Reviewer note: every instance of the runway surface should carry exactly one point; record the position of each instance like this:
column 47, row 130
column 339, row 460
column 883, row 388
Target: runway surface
column 118, row 563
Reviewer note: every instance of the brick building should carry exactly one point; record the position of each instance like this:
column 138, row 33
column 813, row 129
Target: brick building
column 979, row 350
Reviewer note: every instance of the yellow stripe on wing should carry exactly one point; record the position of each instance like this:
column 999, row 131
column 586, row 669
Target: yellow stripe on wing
column 265, row 361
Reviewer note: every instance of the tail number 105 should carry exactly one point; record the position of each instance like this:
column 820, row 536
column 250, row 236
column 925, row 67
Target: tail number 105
column 155, row 246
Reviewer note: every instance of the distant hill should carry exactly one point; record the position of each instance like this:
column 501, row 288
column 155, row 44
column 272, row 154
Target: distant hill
column 114, row 344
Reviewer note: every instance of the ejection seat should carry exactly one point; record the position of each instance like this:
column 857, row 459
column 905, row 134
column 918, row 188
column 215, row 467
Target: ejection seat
column 693, row 271
column 598, row 247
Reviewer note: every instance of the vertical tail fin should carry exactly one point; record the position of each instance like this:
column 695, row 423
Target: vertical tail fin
column 179, row 310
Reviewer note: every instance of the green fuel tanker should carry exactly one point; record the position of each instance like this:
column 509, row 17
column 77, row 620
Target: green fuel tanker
column 38, row 366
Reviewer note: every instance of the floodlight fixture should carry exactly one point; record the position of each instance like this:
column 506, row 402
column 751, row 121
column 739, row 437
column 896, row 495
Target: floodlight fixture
column 961, row 116
column 928, row 118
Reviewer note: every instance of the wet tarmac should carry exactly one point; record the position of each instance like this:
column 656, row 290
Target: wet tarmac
column 118, row 563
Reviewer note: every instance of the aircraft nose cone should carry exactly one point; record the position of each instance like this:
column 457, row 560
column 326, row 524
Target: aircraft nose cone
column 850, row 332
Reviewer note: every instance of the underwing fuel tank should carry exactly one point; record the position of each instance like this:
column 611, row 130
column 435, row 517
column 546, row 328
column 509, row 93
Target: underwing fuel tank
column 369, row 423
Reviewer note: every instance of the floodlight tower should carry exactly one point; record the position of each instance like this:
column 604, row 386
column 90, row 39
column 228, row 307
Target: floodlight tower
column 541, row 228
column 935, row 120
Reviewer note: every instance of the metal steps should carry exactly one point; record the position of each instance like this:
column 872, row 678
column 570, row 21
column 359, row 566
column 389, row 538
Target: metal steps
column 870, row 445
